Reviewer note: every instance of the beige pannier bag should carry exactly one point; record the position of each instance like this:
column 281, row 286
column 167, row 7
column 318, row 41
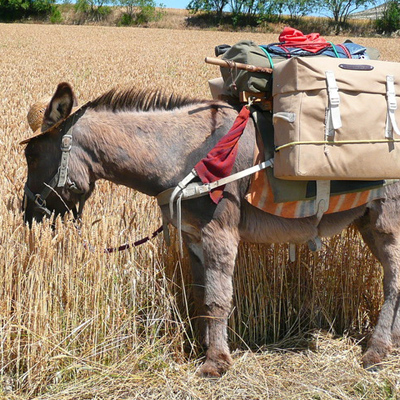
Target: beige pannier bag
column 336, row 119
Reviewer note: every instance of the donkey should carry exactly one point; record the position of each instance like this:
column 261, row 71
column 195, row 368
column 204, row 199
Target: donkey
column 149, row 142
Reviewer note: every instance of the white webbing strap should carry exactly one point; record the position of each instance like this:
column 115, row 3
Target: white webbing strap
column 321, row 207
column 315, row 244
column 186, row 190
column 333, row 120
column 179, row 222
column 391, row 124
column 178, row 189
column 198, row 189
column 292, row 252
column 323, row 198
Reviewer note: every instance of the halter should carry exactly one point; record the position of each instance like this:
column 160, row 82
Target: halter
column 60, row 179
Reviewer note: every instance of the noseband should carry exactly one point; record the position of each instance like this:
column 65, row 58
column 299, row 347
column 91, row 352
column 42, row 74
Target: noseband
column 60, row 179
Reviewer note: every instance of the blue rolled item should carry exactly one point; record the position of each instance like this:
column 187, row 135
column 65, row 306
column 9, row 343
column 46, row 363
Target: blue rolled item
column 345, row 50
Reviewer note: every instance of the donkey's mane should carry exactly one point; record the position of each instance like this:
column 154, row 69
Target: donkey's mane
column 140, row 100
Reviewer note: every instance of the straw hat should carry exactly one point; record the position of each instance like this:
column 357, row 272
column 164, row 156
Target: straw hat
column 35, row 119
column 36, row 114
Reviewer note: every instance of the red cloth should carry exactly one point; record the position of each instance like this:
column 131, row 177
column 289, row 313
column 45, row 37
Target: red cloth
column 295, row 38
column 219, row 161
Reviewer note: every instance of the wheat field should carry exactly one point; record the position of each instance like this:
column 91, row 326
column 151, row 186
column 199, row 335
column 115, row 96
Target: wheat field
column 76, row 323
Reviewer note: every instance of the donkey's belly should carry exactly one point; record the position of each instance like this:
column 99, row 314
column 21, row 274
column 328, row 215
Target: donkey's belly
column 259, row 227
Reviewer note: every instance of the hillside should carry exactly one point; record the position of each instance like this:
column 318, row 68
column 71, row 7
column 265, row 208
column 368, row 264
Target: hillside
column 371, row 13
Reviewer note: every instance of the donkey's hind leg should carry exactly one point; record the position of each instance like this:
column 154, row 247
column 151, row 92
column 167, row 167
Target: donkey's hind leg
column 381, row 231
column 219, row 249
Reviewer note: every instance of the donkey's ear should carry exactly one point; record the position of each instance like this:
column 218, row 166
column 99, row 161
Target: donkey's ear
column 60, row 105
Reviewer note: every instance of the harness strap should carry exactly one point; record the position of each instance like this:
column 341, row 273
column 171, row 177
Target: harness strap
column 37, row 199
column 323, row 198
column 40, row 198
column 181, row 185
column 333, row 116
column 186, row 191
column 66, row 144
column 391, row 124
column 179, row 222
column 197, row 189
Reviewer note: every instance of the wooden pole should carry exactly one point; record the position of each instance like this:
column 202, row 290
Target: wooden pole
column 232, row 64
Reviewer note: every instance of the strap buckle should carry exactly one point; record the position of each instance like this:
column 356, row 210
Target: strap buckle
column 66, row 143
column 39, row 200
column 333, row 89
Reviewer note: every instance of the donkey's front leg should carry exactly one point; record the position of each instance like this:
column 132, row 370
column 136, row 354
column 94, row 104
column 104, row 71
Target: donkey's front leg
column 220, row 245
column 195, row 251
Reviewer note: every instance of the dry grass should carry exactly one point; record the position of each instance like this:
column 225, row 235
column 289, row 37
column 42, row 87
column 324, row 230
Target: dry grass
column 79, row 324
column 327, row 369
column 172, row 18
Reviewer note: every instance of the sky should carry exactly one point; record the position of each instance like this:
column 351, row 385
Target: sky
column 183, row 3
column 174, row 3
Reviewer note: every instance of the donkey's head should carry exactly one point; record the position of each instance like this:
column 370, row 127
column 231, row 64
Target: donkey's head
column 50, row 157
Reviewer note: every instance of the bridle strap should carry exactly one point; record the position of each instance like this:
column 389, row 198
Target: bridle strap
column 66, row 144
column 38, row 200
column 60, row 178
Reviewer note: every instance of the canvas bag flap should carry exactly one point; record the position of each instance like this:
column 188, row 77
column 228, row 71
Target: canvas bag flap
column 304, row 74
column 369, row 147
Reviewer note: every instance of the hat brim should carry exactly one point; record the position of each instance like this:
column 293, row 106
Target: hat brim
column 39, row 132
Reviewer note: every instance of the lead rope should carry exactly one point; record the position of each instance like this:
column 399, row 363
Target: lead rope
column 126, row 246
column 134, row 244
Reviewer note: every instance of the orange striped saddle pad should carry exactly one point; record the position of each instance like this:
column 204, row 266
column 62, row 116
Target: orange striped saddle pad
column 260, row 195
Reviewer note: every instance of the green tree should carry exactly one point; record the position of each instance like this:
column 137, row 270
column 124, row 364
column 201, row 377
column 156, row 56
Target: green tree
column 300, row 8
column 238, row 9
column 340, row 10
column 390, row 20
column 139, row 12
column 11, row 10
column 208, row 6
column 96, row 10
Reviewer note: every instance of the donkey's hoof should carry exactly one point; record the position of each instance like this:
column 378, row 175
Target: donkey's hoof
column 371, row 360
column 214, row 368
